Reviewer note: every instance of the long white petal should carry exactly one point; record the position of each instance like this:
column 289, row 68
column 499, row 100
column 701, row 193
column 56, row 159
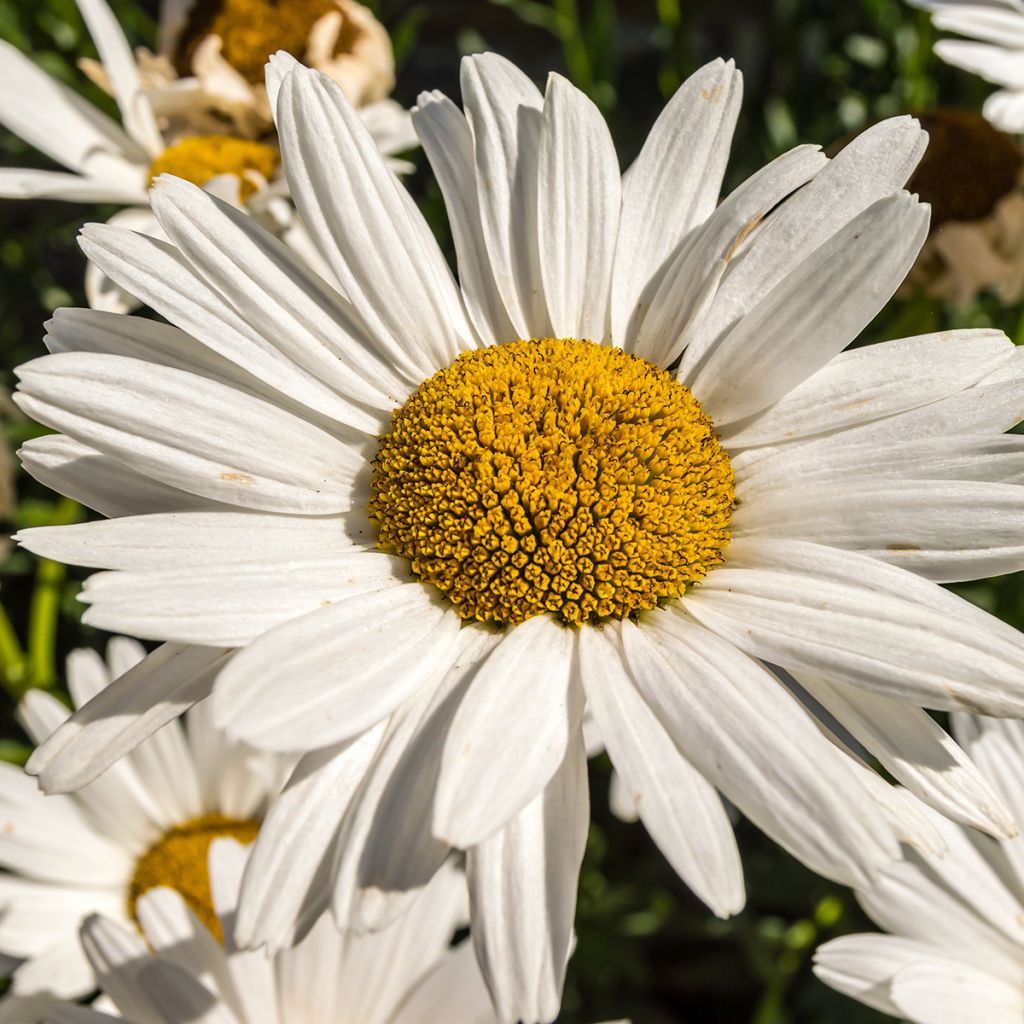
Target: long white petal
column 191, row 433
column 678, row 806
column 579, row 195
column 852, row 618
column 522, row 885
column 510, row 732
column 336, row 672
column 674, row 184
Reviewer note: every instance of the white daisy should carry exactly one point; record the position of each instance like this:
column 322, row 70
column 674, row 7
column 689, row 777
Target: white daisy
column 177, row 970
column 115, row 163
column 148, row 822
column 211, row 56
column 995, row 51
column 766, row 501
column 956, row 923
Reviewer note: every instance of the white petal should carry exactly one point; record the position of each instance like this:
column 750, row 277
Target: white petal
column 813, row 313
column 677, row 297
column 122, row 716
column 98, row 481
column 229, row 606
column 849, row 617
column 191, row 433
column 161, row 277
column 454, row 990
column 504, row 111
column 522, row 885
column 338, row 671
column 309, row 323
column 946, row 530
column 951, row 993
column 876, row 164
column 28, row 183
column 579, row 195
column 752, row 740
column 674, row 184
column 180, row 996
column 510, row 733
column 189, row 540
column 401, row 853
column 913, row 748
column 448, row 143
column 367, row 227
column 56, row 120
column 873, row 382
column 679, row 807
column 294, row 847
column 123, row 73
column 117, row 954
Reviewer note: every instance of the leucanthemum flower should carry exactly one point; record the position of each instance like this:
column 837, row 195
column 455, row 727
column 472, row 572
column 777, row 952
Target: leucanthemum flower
column 406, row 974
column 956, row 924
column 972, row 176
column 115, row 163
column 211, row 55
column 994, row 50
column 623, row 463
column 147, row 822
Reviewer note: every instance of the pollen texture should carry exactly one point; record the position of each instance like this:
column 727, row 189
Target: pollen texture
column 204, row 157
column 250, row 31
column 179, row 860
column 553, row 476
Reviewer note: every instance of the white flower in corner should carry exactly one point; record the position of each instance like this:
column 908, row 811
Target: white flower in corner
column 147, row 822
column 177, row 970
column 994, row 49
column 623, row 463
column 956, row 923
column 167, row 130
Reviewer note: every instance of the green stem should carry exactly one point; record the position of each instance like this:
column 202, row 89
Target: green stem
column 12, row 658
column 44, row 609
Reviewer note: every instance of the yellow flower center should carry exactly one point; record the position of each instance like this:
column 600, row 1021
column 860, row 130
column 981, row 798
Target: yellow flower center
column 251, row 30
column 180, row 861
column 201, row 158
column 553, row 476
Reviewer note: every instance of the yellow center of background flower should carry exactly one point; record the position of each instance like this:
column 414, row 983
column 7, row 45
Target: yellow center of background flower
column 553, row 476
column 203, row 157
column 251, row 30
column 180, row 861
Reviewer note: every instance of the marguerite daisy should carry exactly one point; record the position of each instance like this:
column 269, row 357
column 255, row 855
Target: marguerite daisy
column 147, row 823
column 994, row 50
column 956, row 924
column 406, row 974
column 112, row 163
column 621, row 463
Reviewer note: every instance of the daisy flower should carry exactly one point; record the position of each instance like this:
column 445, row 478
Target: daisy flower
column 994, row 50
column 955, row 924
column 147, row 823
column 972, row 176
column 623, row 464
column 211, row 54
column 177, row 970
column 115, row 163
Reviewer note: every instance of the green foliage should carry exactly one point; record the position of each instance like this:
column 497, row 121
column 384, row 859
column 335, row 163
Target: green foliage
column 816, row 71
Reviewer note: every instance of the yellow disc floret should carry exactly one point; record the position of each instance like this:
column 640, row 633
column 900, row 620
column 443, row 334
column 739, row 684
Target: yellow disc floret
column 553, row 476
column 180, row 861
column 203, row 157
column 250, row 31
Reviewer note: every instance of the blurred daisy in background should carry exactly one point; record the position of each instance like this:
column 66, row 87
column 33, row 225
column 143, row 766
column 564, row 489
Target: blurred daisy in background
column 972, row 176
column 177, row 970
column 994, row 50
column 178, row 127
column 956, row 923
column 622, row 463
column 147, row 823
